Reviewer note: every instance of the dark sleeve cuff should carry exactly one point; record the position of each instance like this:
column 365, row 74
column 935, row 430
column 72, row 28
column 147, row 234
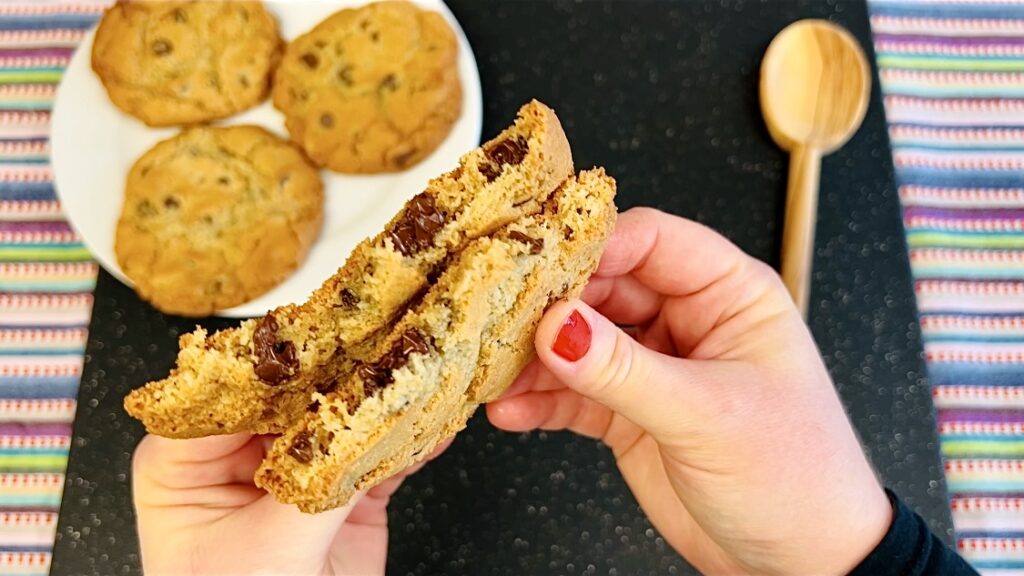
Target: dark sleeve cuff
column 910, row 549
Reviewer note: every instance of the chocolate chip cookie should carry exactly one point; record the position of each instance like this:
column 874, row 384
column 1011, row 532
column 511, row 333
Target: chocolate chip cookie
column 216, row 216
column 173, row 63
column 371, row 89
column 462, row 345
column 424, row 322
column 259, row 376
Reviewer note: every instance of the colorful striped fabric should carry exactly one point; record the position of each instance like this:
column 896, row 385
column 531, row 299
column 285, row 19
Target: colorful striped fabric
column 952, row 74
column 46, row 282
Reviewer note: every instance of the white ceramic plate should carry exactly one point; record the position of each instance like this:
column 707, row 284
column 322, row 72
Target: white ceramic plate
column 93, row 145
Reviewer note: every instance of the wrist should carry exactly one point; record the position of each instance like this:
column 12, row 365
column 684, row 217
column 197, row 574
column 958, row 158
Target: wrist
column 873, row 521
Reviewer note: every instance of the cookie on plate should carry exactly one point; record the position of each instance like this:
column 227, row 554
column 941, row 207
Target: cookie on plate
column 216, row 216
column 177, row 63
column 371, row 89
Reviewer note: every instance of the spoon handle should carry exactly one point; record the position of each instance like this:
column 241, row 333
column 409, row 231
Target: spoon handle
column 801, row 218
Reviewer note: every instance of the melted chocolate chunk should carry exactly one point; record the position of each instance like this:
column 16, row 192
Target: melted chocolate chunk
column 327, row 387
column 310, row 60
column 536, row 244
column 302, row 448
column 508, row 152
column 490, row 172
column 379, row 374
column 348, row 298
column 275, row 361
column 418, row 225
column 162, row 47
column 313, row 407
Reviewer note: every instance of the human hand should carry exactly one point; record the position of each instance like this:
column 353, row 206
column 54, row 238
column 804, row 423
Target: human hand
column 199, row 512
column 720, row 413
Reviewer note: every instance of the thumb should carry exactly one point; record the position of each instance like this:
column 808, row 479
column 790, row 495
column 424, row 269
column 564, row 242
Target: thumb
column 588, row 353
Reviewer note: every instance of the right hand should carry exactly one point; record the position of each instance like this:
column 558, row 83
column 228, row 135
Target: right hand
column 718, row 408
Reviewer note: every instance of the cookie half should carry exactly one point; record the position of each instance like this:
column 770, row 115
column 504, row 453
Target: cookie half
column 259, row 376
column 216, row 216
column 371, row 89
column 462, row 345
column 175, row 63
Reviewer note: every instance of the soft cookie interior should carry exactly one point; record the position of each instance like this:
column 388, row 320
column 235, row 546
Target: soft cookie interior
column 461, row 345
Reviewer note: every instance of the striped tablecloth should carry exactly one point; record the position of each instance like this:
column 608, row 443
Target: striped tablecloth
column 953, row 77
column 952, row 73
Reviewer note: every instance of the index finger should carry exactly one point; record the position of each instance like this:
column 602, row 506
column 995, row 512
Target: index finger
column 671, row 255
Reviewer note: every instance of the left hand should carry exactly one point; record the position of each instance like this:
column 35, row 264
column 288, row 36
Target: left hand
column 199, row 512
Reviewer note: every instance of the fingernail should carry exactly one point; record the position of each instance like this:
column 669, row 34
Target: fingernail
column 573, row 339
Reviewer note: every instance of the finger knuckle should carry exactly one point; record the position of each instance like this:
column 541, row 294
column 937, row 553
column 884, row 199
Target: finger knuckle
column 624, row 367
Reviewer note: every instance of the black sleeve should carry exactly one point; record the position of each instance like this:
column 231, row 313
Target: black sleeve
column 910, row 549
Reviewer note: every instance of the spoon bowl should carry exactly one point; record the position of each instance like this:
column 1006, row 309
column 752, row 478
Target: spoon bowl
column 815, row 87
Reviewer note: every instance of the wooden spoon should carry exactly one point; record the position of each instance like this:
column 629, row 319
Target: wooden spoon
column 815, row 87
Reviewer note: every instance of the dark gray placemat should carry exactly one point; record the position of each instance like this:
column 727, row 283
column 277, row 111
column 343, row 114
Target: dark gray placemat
column 664, row 94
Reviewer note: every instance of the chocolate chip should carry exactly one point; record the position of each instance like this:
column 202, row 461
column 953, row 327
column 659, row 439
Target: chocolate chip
column 326, row 120
column 510, row 152
column 302, row 447
column 348, row 298
column 171, row 202
column 145, row 208
column 313, row 407
column 404, row 157
column 420, row 221
column 162, row 47
column 327, row 387
column 490, row 172
column 275, row 361
column 373, row 379
column 345, row 75
column 375, row 36
column 310, row 60
column 507, row 152
column 223, row 181
column 412, row 342
column 389, row 83
column 568, row 233
column 536, row 244
column 381, row 373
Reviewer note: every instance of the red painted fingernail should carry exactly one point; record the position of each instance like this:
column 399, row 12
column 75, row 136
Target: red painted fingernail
column 573, row 339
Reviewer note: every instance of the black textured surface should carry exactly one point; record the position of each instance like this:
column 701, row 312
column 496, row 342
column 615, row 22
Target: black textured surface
column 664, row 95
